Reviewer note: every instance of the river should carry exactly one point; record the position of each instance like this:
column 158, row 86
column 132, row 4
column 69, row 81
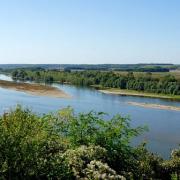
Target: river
column 164, row 125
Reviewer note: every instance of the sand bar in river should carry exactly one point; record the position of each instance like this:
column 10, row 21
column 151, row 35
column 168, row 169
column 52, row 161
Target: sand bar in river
column 156, row 106
column 34, row 89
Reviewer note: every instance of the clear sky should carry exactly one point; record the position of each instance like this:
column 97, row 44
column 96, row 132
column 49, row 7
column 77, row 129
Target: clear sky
column 90, row 31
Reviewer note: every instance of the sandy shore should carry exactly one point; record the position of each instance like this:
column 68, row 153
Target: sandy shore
column 156, row 106
column 140, row 94
column 34, row 89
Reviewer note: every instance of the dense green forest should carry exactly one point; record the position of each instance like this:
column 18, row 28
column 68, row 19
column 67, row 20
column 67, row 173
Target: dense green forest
column 167, row 84
column 63, row 145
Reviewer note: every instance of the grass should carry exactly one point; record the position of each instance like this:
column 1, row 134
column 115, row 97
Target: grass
column 127, row 92
column 160, row 75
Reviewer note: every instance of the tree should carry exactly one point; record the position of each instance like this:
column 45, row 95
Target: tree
column 49, row 79
column 28, row 150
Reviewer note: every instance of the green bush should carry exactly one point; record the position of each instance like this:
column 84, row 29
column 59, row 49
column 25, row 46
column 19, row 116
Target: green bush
column 63, row 145
column 28, row 149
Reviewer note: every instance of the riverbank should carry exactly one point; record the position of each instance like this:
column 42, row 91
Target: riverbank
column 34, row 89
column 155, row 106
column 125, row 92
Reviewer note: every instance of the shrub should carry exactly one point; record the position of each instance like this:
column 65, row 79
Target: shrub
column 63, row 145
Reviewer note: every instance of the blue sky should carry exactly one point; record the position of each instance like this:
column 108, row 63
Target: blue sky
column 90, row 31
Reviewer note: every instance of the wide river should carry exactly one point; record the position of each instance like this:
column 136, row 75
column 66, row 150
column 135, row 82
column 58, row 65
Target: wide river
column 164, row 125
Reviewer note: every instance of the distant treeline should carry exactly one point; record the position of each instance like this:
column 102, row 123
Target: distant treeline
column 145, row 83
column 146, row 69
column 107, row 67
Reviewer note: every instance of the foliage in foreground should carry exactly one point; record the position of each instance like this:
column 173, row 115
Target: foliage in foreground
column 85, row 146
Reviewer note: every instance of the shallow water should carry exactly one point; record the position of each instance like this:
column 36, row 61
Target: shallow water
column 164, row 125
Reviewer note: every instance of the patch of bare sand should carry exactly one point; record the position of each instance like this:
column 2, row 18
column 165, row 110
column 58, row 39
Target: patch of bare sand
column 35, row 89
column 156, row 106
column 127, row 93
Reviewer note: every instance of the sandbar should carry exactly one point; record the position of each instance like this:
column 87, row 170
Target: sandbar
column 156, row 106
column 34, row 89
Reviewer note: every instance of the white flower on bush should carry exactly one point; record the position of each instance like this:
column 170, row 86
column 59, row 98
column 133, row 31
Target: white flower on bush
column 98, row 170
column 87, row 163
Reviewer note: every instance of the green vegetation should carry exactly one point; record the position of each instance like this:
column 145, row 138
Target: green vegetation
column 63, row 145
column 126, row 92
column 105, row 67
column 167, row 84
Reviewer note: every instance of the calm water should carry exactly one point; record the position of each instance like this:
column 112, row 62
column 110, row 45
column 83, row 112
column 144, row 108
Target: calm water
column 164, row 125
